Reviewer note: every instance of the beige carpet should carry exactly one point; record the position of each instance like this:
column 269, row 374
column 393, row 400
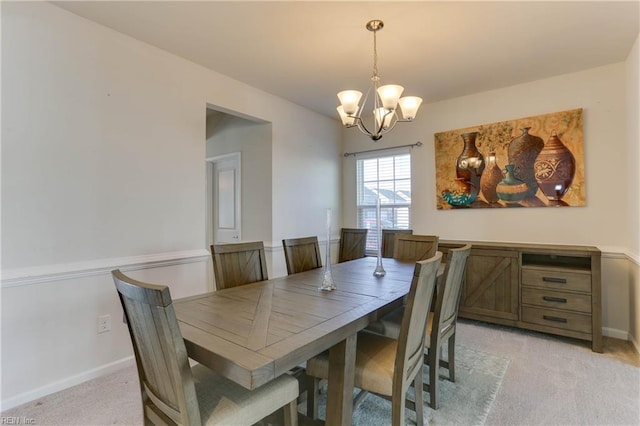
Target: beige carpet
column 114, row 400
column 549, row 381
column 559, row 381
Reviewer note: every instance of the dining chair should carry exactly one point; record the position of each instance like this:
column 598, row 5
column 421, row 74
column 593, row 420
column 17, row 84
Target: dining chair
column 414, row 247
column 441, row 326
column 301, row 254
column 353, row 243
column 172, row 391
column 385, row 366
column 388, row 240
column 238, row 264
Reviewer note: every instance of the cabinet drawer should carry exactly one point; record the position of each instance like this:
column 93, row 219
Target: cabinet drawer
column 556, row 278
column 557, row 319
column 556, row 299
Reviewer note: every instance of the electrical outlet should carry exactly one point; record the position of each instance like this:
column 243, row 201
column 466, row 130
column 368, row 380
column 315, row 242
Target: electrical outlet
column 104, row 323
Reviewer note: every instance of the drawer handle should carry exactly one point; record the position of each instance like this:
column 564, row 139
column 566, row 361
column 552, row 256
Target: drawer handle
column 554, row 299
column 556, row 319
column 555, row 280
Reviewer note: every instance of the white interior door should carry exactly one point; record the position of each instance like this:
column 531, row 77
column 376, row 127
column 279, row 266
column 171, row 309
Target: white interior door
column 225, row 205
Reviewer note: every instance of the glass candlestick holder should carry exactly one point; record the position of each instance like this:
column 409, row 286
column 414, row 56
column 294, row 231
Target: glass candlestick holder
column 327, row 279
column 379, row 271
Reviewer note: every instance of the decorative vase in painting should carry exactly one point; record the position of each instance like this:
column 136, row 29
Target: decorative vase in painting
column 523, row 151
column 490, row 178
column 470, row 163
column 511, row 189
column 460, row 193
column 554, row 169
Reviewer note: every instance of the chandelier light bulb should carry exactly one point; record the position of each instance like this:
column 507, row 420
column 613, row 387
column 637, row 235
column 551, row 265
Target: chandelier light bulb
column 349, row 100
column 409, row 106
column 389, row 95
column 347, row 120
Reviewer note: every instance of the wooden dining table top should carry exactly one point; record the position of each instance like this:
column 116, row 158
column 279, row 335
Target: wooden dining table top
column 253, row 333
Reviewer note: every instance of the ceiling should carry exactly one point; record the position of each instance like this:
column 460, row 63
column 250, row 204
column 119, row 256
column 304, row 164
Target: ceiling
column 308, row 51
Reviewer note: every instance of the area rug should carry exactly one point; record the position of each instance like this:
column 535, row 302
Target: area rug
column 465, row 402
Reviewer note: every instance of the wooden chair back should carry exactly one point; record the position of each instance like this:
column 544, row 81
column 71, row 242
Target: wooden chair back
column 166, row 381
column 238, row 264
column 374, row 362
column 443, row 325
column 414, row 247
column 301, row 254
column 448, row 299
column 388, row 240
column 410, row 355
column 353, row 242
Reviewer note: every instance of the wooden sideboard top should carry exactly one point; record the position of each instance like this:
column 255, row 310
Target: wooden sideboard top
column 525, row 247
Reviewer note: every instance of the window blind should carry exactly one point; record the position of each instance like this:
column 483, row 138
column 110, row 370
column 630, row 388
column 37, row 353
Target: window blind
column 388, row 178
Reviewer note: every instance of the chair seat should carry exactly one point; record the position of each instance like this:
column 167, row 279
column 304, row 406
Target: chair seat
column 374, row 353
column 389, row 325
column 224, row 402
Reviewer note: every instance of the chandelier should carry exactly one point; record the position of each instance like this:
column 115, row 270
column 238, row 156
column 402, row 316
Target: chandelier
column 385, row 101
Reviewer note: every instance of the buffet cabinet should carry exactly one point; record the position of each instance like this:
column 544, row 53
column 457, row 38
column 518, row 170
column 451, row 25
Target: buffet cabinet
column 547, row 288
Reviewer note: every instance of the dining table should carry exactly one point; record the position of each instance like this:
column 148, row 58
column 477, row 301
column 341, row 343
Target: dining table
column 253, row 333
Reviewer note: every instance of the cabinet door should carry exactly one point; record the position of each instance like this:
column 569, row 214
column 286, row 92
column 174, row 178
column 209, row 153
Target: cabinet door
column 490, row 291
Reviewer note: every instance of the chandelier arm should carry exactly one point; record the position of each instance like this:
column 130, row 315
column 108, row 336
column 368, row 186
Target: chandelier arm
column 393, row 124
column 364, row 101
column 381, row 126
column 381, row 130
column 362, row 127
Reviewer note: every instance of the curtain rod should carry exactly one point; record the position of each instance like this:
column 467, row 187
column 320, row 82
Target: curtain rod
column 348, row 154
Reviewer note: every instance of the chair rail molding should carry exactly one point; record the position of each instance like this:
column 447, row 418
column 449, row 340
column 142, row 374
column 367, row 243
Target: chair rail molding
column 62, row 271
column 610, row 252
column 276, row 246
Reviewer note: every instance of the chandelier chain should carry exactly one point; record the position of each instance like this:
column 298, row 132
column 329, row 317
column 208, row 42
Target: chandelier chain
column 375, row 55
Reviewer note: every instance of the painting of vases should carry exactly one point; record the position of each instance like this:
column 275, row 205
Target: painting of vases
column 526, row 162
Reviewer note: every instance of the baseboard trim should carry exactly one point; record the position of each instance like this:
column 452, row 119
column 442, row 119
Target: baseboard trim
column 65, row 271
column 635, row 344
column 68, row 382
column 615, row 333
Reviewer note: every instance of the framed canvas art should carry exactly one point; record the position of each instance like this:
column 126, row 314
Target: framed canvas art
column 527, row 162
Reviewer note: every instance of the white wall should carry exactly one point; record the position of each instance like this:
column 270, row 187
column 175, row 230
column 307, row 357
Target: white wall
column 253, row 141
column 312, row 161
column 633, row 159
column 311, row 185
column 605, row 220
column 103, row 166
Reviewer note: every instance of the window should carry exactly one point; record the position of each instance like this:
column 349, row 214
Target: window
column 388, row 178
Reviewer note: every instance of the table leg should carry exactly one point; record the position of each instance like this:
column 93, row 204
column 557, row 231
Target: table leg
column 342, row 360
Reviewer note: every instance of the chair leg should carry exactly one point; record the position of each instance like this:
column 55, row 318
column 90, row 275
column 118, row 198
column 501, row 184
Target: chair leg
column 313, row 387
column 452, row 357
column 419, row 405
column 398, row 410
column 426, row 356
column 434, row 366
column 291, row 414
